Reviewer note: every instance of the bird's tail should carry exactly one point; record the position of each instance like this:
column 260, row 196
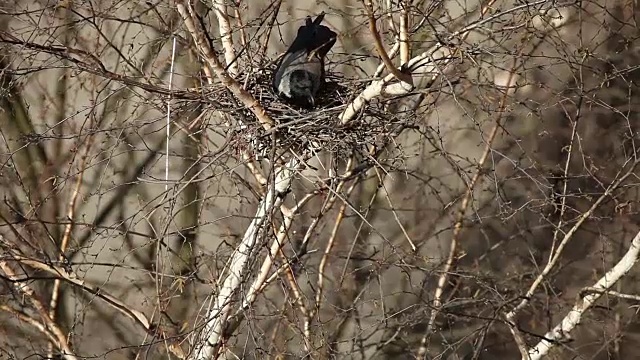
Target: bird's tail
column 323, row 37
column 316, row 21
column 314, row 38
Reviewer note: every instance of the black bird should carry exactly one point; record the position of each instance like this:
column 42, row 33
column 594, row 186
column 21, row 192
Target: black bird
column 300, row 72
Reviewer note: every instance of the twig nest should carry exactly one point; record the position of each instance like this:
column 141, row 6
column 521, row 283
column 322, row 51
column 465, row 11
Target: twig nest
column 308, row 131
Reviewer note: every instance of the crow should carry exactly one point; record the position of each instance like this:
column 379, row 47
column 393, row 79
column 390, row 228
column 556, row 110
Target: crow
column 300, row 72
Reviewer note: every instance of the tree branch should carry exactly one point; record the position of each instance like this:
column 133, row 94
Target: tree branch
column 216, row 319
column 211, row 58
column 574, row 316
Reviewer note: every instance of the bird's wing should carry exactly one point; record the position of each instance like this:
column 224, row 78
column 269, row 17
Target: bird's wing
column 298, row 61
column 313, row 35
column 324, row 40
column 311, row 64
column 307, row 51
column 284, row 64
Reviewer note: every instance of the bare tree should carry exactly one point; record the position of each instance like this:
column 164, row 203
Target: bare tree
column 464, row 187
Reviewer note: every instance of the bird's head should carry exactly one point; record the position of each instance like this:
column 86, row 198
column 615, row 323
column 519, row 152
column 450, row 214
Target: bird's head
column 301, row 88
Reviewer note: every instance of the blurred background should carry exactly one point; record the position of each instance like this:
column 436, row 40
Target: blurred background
column 518, row 147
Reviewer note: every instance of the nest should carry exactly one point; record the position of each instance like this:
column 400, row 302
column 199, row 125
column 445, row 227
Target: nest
column 308, row 131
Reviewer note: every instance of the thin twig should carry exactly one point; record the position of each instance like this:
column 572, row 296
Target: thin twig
column 563, row 202
column 306, row 314
column 270, row 25
column 71, row 208
column 325, row 257
column 395, row 212
column 466, row 200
